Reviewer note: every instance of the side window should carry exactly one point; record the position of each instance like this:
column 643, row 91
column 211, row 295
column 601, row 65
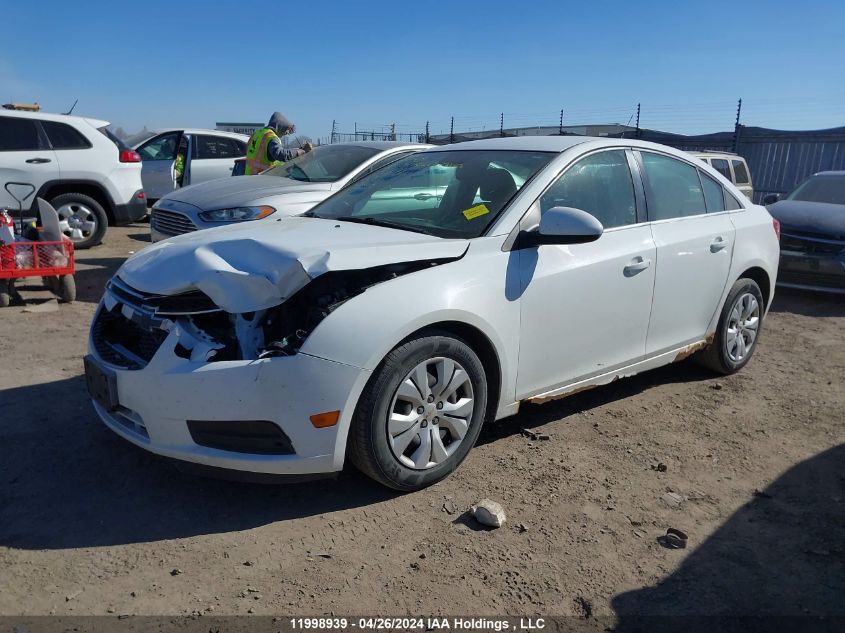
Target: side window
column 599, row 184
column 721, row 165
column 675, row 188
column 214, row 147
column 160, row 147
column 63, row 136
column 731, row 203
column 712, row 194
column 240, row 147
column 18, row 135
column 740, row 172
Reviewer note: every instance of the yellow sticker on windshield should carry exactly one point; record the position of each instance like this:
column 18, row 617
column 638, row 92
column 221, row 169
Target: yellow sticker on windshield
column 476, row 211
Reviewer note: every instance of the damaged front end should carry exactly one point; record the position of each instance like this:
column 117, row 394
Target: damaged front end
column 131, row 325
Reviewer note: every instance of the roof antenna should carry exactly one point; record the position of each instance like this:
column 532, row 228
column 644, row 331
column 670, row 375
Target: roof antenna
column 72, row 107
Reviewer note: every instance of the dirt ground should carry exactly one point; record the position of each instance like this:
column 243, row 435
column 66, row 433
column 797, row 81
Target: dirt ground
column 755, row 464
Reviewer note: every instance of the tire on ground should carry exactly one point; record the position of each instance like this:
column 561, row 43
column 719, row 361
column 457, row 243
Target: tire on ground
column 715, row 356
column 368, row 445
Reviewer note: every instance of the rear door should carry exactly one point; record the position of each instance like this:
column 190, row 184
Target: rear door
column 75, row 154
column 694, row 249
column 25, row 157
column 212, row 157
column 158, row 156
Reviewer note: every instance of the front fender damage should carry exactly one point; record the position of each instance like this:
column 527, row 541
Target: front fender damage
column 281, row 330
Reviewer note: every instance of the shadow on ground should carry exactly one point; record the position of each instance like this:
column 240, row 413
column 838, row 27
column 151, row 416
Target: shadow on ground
column 781, row 554
column 66, row 481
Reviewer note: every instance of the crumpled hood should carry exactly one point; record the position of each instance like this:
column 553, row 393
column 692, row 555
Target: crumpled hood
column 244, row 268
column 813, row 217
column 222, row 193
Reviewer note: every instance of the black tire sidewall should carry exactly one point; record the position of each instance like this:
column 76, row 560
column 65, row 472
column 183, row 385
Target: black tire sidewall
column 740, row 287
column 96, row 207
column 391, row 373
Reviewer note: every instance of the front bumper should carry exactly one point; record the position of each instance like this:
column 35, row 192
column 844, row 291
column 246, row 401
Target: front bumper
column 156, row 402
column 812, row 265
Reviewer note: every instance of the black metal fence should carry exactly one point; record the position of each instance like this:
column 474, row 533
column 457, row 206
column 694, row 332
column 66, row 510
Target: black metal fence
column 778, row 159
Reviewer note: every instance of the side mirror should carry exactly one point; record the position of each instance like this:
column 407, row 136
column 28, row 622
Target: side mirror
column 563, row 225
column 771, row 198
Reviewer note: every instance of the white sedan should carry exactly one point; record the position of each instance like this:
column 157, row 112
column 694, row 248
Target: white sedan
column 390, row 333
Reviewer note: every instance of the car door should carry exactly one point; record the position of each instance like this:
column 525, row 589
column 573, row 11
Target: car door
column 212, row 157
column 25, row 157
column 158, row 156
column 585, row 307
column 694, row 250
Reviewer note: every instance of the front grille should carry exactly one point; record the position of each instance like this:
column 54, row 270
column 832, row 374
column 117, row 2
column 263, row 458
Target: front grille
column 171, row 222
column 192, row 302
column 122, row 342
column 811, row 245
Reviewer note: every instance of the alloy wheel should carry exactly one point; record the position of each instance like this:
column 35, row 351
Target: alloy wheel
column 77, row 221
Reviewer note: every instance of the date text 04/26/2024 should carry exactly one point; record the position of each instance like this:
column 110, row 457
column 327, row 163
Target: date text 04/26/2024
column 465, row 624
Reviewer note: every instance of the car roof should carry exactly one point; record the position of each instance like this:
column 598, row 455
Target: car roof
column 50, row 116
column 384, row 145
column 833, row 172
column 716, row 153
column 558, row 144
column 198, row 130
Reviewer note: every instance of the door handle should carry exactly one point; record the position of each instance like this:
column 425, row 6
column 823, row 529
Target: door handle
column 638, row 264
column 423, row 196
column 38, row 161
column 718, row 244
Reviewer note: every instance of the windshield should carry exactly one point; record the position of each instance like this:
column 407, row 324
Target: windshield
column 326, row 163
column 455, row 194
column 829, row 189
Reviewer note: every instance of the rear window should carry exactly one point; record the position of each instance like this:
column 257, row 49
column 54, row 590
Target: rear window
column 18, row 135
column 63, row 136
column 114, row 139
column 712, row 194
column 326, row 163
column 721, row 165
column 740, row 172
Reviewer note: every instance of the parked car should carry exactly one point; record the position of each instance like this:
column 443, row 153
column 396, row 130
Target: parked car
column 75, row 164
column 812, row 246
column 206, row 155
column 731, row 166
column 287, row 189
column 548, row 265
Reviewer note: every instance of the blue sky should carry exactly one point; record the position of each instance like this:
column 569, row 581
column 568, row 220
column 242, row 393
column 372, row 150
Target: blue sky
column 374, row 63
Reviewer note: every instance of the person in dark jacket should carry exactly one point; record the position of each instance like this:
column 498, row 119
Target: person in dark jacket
column 265, row 148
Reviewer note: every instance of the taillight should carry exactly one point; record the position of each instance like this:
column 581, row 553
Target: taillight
column 129, row 156
column 776, row 225
column 141, row 195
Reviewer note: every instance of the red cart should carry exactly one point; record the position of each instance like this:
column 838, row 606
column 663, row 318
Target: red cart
column 51, row 260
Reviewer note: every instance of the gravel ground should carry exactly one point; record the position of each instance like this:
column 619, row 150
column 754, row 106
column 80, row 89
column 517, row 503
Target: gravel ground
column 754, row 474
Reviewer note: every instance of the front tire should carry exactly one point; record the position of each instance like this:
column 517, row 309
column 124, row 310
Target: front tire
column 81, row 218
column 420, row 413
column 738, row 331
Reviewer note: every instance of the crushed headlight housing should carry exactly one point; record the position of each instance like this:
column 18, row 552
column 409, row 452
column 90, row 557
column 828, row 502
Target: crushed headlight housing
column 237, row 214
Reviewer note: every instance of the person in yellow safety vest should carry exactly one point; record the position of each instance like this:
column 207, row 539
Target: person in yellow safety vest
column 265, row 148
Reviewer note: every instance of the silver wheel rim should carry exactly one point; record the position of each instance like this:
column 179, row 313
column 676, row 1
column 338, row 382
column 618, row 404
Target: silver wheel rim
column 743, row 326
column 77, row 221
column 430, row 413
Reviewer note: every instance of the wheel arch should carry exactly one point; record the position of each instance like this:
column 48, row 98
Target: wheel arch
column 481, row 344
column 761, row 278
column 54, row 188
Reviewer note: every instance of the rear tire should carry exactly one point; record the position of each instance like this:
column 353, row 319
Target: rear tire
column 83, row 219
column 408, row 437
column 738, row 332
column 5, row 293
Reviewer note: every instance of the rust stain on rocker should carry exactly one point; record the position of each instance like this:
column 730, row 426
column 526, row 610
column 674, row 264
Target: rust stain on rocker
column 688, row 350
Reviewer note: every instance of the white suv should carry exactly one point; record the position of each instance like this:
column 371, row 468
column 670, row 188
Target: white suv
column 76, row 164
